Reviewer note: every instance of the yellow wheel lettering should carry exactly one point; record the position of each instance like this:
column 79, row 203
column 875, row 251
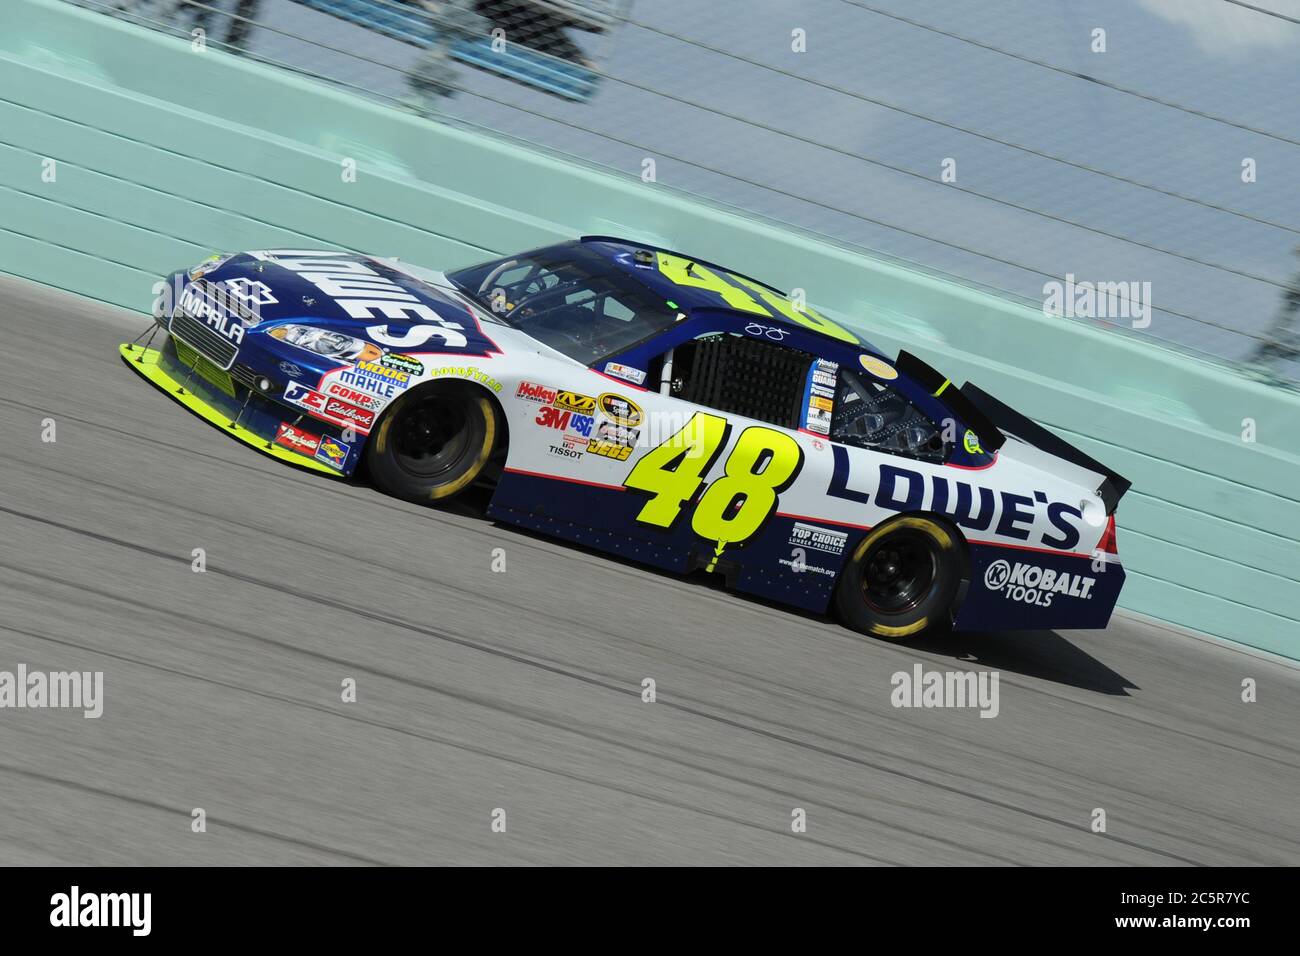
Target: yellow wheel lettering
column 489, row 439
column 931, row 528
column 884, row 630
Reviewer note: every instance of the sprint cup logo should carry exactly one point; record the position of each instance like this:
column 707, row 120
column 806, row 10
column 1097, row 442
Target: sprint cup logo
column 1031, row 584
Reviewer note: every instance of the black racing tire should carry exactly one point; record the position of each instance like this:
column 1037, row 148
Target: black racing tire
column 902, row 579
column 433, row 442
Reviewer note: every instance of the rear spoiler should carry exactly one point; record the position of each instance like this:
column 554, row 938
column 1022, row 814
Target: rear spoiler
column 987, row 416
column 1007, row 418
column 991, row 437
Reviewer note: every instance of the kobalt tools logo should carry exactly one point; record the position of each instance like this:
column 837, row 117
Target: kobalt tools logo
column 1034, row 585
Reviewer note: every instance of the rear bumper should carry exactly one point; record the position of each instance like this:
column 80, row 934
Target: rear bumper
column 1018, row 588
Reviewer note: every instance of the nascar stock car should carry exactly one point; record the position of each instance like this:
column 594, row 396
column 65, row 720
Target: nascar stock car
column 660, row 407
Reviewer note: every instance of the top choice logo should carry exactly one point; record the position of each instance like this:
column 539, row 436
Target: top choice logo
column 1034, row 585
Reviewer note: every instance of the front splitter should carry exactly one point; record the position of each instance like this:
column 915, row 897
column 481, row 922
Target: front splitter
column 145, row 362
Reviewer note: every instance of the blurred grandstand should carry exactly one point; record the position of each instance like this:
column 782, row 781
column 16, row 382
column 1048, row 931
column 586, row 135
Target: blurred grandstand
column 993, row 144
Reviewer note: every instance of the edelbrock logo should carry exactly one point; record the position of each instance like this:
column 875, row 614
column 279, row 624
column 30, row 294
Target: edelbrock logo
column 1034, row 585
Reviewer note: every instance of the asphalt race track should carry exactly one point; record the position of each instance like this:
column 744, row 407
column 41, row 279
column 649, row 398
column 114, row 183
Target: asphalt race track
column 522, row 690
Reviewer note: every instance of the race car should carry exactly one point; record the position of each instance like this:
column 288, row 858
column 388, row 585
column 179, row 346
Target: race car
column 660, row 407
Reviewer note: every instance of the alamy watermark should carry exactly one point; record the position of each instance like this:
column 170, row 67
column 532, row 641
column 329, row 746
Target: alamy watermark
column 23, row 689
column 1098, row 300
column 922, row 688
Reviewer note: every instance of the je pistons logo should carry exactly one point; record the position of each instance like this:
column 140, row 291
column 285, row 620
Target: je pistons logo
column 1031, row 584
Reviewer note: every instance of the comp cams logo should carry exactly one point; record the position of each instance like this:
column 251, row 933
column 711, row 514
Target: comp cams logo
column 1031, row 584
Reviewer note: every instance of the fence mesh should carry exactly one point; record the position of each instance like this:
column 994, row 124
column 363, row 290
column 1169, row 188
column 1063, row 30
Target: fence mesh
column 1026, row 147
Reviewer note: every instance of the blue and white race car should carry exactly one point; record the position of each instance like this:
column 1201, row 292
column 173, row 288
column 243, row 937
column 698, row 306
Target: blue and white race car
column 660, row 407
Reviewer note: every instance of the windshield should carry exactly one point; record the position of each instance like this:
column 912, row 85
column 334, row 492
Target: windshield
column 574, row 300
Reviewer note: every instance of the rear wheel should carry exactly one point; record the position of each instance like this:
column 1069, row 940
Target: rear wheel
column 902, row 579
column 432, row 443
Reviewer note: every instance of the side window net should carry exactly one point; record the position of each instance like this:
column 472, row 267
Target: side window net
column 869, row 414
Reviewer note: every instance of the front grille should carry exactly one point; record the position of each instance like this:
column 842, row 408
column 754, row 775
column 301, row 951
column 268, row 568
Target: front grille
column 216, row 348
column 244, row 375
column 205, row 369
column 213, row 347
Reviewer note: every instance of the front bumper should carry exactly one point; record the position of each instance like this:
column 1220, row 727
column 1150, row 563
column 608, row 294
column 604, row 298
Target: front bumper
column 223, row 399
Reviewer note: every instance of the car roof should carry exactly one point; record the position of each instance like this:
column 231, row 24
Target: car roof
column 690, row 298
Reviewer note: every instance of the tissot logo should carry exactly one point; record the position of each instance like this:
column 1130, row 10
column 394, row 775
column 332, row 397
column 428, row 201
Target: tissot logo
column 74, row 908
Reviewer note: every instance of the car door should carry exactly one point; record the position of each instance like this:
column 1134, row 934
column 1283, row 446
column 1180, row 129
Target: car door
column 694, row 476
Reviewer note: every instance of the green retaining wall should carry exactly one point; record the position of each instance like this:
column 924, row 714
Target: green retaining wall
column 164, row 155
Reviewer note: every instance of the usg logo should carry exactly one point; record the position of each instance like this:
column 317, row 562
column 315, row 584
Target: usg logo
column 1031, row 584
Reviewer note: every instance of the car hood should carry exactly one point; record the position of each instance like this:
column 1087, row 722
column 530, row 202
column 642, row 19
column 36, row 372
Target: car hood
column 376, row 299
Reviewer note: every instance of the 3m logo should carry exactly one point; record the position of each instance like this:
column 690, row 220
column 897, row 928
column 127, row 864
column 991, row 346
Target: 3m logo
column 552, row 417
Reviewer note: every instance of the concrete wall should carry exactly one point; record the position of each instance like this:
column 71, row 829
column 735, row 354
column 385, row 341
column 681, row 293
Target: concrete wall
column 164, row 155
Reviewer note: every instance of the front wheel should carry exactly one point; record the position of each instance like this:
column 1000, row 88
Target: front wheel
column 902, row 579
column 433, row 442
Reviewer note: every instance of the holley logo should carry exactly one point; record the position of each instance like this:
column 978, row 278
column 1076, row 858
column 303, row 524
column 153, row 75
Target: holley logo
column 536, row 393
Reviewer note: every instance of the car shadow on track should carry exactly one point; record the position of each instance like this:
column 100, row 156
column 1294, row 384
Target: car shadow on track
column 1044, row 655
